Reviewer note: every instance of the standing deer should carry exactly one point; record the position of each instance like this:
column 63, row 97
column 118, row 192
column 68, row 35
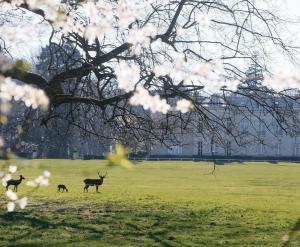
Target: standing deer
column 91, row 182
column 14, row 182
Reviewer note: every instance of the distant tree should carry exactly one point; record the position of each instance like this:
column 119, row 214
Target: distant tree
column 254, row 74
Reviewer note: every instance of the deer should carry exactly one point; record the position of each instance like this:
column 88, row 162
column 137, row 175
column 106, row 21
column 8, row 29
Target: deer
column 94, row 182
column 14, row 182
column 62, row 187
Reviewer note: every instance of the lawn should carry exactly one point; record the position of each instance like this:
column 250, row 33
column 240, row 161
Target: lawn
column 174, row 203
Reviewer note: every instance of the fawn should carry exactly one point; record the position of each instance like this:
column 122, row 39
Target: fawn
column 14, row 182
column 62, row 187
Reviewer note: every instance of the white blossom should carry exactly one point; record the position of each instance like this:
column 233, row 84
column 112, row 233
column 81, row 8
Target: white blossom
column 127, row 13
column 5, row 63
column 32, row 3
column 127, row 76
column 42, row 180
column 142, row 35
column 184, row 105
column 153, row 103
column 11, row 206
column 283, row 79
column 5, row 107
column 12, row 168
column 5, row 179
column 11, row 195
column 23, row 202
column 29, row 95
column 162, row 70
column 31, row 183
column 179, row 61
column 232, row 85
column 47, row 174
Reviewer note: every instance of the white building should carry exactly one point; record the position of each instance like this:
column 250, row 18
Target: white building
column 255, row 134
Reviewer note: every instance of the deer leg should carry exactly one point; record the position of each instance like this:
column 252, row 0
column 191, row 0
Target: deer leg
column 7, row 186
column 97, row 188
column 16, row 188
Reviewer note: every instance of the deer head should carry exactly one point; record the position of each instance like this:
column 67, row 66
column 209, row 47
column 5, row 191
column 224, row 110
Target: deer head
column 21, row 177
column 100, row 176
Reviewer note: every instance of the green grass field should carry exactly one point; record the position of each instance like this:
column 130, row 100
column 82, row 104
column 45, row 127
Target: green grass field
column 157, row 204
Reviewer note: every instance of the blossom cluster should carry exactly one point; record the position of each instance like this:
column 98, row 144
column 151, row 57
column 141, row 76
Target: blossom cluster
column 184, row 105
column 42, row 180
column 7, row 176
column 282, row 80
column 127, row 76
column 13, row 200
column 153, row 103
column 156, row 104
column 29, row 95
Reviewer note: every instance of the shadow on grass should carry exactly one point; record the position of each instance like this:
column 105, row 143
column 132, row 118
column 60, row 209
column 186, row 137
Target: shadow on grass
column 292, row 234
column 134, row 226
column 36, row 223
column 37, row 226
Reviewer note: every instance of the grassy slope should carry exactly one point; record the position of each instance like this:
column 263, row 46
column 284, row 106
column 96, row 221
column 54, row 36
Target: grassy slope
column 157, row 204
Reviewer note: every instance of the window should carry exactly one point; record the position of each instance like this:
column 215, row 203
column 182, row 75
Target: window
column 278, row 129
column 228, row 148
column 244, row 124
column 200, row 126
column 261, row 129
column 176, row 150
column 213, row 148
column 261, row 149
column 200, row 148
column 278, row 149
column 297, row 149
column 229, row 124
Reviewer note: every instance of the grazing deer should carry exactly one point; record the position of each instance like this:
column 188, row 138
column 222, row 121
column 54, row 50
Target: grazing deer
column 14, row 182
column 62, row 187
column 91, row 182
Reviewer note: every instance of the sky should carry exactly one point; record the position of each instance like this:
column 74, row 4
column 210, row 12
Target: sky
column 293, row 6
column 292, row 9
